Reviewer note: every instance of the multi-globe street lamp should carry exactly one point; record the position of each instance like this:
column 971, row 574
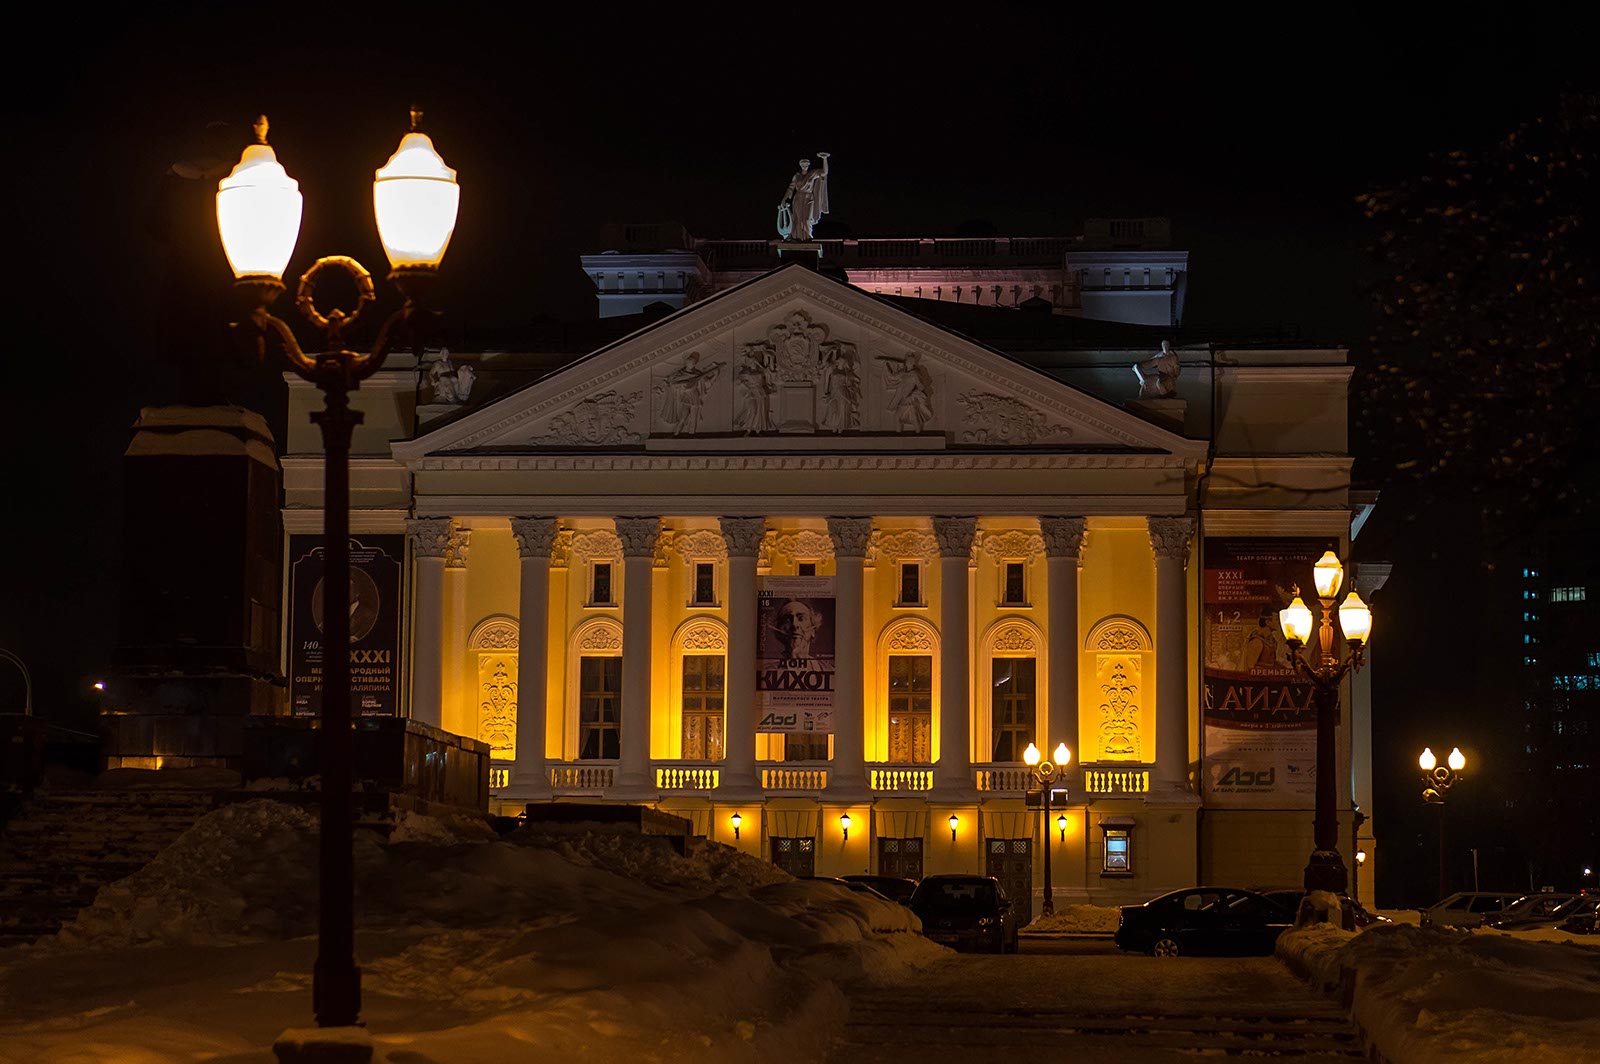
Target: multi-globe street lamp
column 1437, row 779
column 1045, row 774
column 415, row 198
column 1325, row 870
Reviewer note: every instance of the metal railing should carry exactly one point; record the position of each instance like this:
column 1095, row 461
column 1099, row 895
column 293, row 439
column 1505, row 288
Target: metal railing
column 914, row 778
column 687, row 775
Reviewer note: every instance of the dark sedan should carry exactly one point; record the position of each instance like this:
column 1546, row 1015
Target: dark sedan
column 966, row 912
column 1202, row 920
column 892, row 887
column 1584, row 919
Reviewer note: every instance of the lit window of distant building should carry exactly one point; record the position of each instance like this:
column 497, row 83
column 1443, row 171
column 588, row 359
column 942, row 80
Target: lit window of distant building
column 1530, row 618
column 1530, row 574
column 1529, row 660
column 1594, row 657
column 1529, row 638
column 1530, row 596
column 1568, row 594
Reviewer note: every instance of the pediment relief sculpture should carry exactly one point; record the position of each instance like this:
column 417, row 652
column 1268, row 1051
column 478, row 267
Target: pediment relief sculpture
column 605, row 418
column 1004, row 420
column 908, row 390
column 682, row 394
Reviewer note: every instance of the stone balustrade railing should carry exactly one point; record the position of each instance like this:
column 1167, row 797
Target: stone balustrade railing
column 687, row 776
column 588, row 777
column 794, row 775
column 1002, row 777
column 1115, row 777
column 901, row 777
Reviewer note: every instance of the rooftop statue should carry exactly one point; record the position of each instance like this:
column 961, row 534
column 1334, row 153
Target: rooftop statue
column 1158, row 376
column 805, row 201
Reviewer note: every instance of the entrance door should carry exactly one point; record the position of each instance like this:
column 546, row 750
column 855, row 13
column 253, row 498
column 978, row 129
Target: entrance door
column 901, row 858
column 1011, row 862
column 795, row 854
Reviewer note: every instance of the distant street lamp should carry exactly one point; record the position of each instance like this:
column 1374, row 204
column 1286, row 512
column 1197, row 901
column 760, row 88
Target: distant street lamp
column 1045, row 773
column 415, row 197
column 1325, row 870
column 1436, row 780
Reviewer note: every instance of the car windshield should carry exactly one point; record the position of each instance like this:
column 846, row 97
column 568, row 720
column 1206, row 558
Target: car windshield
column 955, row 893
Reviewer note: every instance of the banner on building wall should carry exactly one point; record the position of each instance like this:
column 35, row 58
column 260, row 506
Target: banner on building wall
column 375, row 567
column 794, row 654
column 1260, row 722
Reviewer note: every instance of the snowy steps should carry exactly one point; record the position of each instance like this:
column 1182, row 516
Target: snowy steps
column 57, row 854
column 885, row 1029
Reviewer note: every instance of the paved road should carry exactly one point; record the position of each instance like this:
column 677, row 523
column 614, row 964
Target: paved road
column 1082, row 999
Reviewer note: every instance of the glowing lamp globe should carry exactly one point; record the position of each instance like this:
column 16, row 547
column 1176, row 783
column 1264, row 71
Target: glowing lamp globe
column 1063, row 755
column 1296, row 621
column 1457, row 760
column 1031, row 754
column 415, row 197
column 258, row 212
column 1355, row 620
column 1427, row 760
column 1328, row 574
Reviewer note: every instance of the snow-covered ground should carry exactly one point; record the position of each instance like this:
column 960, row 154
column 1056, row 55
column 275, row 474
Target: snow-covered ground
column 576, row 946
column 1438, row 995
column 1077, row 920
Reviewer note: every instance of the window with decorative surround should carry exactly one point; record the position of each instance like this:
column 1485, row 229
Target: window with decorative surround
column 1014, row 584
column 910, row 586
column 600, row 589
column 599, row 708
column 911, row 708
column 705, row 584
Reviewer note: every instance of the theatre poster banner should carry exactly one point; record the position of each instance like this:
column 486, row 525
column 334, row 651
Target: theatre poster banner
column 794, row 654
column 1260, row 720
column 375, row 567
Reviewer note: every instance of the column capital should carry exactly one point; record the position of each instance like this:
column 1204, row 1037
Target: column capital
column 430, row 536
column 1170, row 536
column 1063, row 536
column 955, row 535
column 638, row 535
column 850, row 536
column 455, row 551
column 744, row 535
column 535, row 536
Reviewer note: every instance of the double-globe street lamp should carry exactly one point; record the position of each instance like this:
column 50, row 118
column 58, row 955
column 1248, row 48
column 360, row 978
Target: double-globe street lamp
column 1325, row 870
column 1045, row 774
column 1436, row 780
column 415, row 198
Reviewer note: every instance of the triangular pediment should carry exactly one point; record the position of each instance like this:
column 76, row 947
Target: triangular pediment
column 796, row 361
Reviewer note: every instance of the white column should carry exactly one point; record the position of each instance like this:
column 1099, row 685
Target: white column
column 534, row 536
column 430, row 537
column 953, row 773
column 1063, row 543
column 1169, row 540
column 638, row 535
column 849, row 770
column 743, row 535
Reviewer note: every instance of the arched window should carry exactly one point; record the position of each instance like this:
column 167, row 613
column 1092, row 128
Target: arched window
column 700, row 654
column 908, row 655
column 1010, row 704
column 594, row 691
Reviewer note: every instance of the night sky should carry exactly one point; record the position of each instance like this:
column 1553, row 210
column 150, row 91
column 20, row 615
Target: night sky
column 1252, row 133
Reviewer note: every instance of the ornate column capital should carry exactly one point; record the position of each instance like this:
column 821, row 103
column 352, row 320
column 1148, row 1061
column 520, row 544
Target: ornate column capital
column 638, row 535
column 1063, row 536
column 850, row 536
column 1170, row 536
column 430, row 536
column 955, row 535
column 535, row 536
column 744, row 535
column 455, row 551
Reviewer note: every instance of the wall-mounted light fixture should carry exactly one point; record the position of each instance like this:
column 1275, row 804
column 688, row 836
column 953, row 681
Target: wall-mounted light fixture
column 1061, row 822
column 954, row 822
column 736, row 820
column 844, row 825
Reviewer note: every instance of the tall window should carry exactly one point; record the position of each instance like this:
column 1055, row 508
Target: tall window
column 1569, row 594
column 911, row 708
column 910, row 584
column 702, row 707
column 1015, row 695
column 1016, row 588
column 600, row 585
column 805, row 746
column 705, row 584
column 599, row 708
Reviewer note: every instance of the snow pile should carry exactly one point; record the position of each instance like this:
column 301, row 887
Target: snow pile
column 1077, row 920
column 1439, row 995
column 473, row 947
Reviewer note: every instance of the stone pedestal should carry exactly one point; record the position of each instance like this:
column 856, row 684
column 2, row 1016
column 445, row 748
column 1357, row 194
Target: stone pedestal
column 807, row 253
column 1167, row 413
column 197, row 646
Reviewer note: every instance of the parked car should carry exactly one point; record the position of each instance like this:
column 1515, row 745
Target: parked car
column 1288, row 899
column 1222, row 920
column 966, row 912
column 1584, row 918
column 892, row 887
column 1531, row 911
column 1466, row 908
column 851, row 885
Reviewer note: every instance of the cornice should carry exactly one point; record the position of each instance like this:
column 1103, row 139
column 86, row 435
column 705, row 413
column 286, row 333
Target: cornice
column 612, row 462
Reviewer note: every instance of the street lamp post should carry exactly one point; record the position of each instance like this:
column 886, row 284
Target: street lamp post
column 415, row 197
column 1325, row 870
column 1436, row 780
column 1044, row 774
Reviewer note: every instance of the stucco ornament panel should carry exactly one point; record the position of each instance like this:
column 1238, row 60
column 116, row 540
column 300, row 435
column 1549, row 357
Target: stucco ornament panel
column 696, row 544
column 991, row 419
column 496, row 633
column 599, row 634
column 1003, row 543
column 497, row 703
column 591, row 545
column 1014, row 638
column 455, row 551
column 909, row 635
column 1118, row 676
column 1118, row 633
column 603, row 419
column 795, row 543
column 889, row 546
column 702, row 635
column 430, row 536
column 535, row 536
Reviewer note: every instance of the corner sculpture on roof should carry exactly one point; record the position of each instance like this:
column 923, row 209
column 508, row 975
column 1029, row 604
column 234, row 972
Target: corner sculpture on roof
column 804, row 202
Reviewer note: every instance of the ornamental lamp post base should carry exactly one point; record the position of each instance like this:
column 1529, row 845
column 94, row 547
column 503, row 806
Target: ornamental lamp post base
column 1326, row 871
column 323, row 1045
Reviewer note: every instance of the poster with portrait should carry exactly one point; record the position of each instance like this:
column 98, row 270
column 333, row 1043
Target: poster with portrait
column 375, row 568
column 794, row 654
column 1260, row 724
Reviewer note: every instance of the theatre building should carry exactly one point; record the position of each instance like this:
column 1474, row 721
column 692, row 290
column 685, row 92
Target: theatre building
column 812, row 564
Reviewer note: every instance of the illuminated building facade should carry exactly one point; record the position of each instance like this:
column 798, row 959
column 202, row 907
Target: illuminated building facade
column 798, row 551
